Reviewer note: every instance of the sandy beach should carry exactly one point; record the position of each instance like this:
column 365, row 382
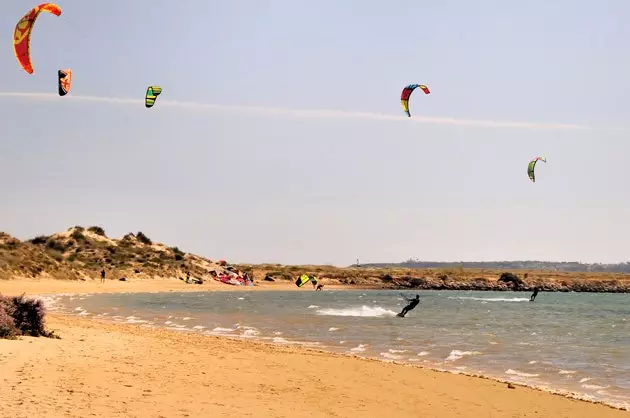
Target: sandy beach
column 102, row 369
column 33, row 286
column 115, row 370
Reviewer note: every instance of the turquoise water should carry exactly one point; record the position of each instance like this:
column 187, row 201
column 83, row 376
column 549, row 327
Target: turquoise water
column 575, row 342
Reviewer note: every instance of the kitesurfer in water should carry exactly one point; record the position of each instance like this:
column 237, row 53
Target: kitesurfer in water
column 412, row 304
column 533, row 296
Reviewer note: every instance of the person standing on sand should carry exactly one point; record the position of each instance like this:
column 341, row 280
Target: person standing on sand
column 103, row 276
column 533, row 296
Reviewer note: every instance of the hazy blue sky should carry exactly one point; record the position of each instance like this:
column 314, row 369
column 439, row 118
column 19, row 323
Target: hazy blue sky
column 244, row 157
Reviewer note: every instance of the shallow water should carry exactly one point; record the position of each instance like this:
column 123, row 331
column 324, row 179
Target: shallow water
column 578, row 342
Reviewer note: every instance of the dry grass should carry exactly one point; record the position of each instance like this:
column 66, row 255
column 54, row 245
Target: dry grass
column 81, row 253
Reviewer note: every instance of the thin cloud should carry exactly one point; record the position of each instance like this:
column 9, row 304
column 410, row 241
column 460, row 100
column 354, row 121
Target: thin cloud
column 315, row 113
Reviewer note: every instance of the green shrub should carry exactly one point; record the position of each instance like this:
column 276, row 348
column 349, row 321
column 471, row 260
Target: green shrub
column 78, row 235
column 97, row 230
column 143, row 238
column 27, row 317
column 7, row 325
column 55, row 245
column 39, row 240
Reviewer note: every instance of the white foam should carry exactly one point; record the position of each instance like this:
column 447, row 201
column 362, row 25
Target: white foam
column 223, row 330
column 331, row 329
column 241, row 298
column 423, row 353
column 594, row 387
column 567, row 372
column 391, row 356
column 585, row 379
column 280, row 340
column 520, row 374
column 363, row 311
column 313, row 307
column 250, row 333
column 199, row 327
column 359, row 349
column 458, row 354
column 136, row 321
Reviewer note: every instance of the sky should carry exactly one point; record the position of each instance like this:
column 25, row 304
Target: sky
column 279, row 136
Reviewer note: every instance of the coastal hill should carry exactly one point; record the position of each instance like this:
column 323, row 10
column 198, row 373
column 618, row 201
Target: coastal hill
column 81, row 253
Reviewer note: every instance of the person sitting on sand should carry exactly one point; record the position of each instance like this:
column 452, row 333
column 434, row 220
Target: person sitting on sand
column 533, row 296
column 412, row 304
column 320, row 287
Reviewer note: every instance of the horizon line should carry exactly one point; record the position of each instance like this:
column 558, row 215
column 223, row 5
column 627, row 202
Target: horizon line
column 318, row 113
column 496, row 262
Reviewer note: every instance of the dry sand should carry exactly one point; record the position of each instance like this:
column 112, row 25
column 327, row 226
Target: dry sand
column 115, row 370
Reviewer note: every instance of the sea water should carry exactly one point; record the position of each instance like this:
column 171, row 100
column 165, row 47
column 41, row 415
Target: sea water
column 573, row 342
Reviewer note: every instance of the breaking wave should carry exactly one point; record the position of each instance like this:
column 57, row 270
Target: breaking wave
column 363, row 311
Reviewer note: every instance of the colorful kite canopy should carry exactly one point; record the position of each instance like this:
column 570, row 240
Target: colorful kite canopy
column 23, row 30
column 302, row 280
column 65, row 81
column 152, row 93
column 532, row 165
column 406, row 93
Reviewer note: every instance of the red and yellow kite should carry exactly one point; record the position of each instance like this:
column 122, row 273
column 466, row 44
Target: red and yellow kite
column 22, row 33
column 406, row 94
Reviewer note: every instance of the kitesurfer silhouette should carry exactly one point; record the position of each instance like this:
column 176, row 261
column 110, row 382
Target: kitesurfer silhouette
column 412, row 304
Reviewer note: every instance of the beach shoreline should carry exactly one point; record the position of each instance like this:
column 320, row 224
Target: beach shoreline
column 70, row 324
column 119, row 370
column 16, row 286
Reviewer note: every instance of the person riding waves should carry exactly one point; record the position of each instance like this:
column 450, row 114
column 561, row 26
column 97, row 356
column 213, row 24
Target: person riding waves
column 412, row 304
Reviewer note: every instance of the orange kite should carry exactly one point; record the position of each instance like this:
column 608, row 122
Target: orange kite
column 22, row 33
column 65, row 81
